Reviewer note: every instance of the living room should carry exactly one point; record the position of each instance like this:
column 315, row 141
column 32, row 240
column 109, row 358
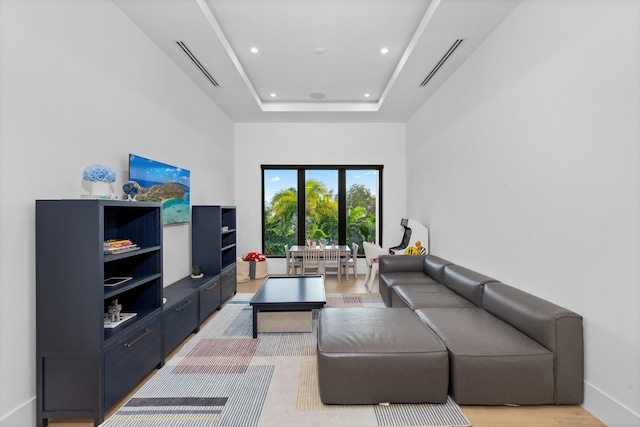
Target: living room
column 524, row 165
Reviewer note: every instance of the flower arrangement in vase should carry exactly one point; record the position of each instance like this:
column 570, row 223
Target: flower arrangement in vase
column 100, row 178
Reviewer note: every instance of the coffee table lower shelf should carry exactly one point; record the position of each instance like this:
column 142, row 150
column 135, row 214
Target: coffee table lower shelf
column 285, row 321
column 284, row 304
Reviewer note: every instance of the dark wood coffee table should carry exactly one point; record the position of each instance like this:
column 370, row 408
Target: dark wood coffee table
column 288, row 294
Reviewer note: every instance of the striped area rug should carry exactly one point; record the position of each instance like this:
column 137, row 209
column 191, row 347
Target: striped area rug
column 223, row 377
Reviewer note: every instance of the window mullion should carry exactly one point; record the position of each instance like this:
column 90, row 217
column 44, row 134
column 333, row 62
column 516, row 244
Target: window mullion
column 302, row 194
column 342, row 206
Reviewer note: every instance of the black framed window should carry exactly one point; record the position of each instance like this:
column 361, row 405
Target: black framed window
column 343, row 203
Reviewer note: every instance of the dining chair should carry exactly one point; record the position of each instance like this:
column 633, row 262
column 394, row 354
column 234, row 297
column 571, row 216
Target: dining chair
column 293, row 263
column 371, row 254
column 332, row 261
column 311, row 261
column 351, row 261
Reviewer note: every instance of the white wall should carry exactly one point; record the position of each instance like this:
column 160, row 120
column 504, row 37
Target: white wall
column 80, row 84
column 527, row 167
column 316, row 143
column 528, row 157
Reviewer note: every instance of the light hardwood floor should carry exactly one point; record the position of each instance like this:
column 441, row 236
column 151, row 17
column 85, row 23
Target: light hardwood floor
column 479, row 416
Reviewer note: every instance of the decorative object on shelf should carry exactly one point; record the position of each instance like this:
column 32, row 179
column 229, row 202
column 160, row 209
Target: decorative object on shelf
column 131, row 188
column 114, row 311
column 100, row 178
column 196, row 272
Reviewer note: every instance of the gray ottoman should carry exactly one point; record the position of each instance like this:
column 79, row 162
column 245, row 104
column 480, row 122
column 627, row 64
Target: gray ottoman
column 379, row 355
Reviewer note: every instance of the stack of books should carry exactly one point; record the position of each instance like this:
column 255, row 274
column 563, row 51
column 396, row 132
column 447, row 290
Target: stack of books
column 112, row 247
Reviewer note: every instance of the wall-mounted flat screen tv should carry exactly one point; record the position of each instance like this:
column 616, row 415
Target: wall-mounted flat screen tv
column 163, row 183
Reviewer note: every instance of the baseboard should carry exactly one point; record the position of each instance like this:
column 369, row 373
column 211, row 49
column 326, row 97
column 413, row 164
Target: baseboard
column 607, row 409
column 24, row 415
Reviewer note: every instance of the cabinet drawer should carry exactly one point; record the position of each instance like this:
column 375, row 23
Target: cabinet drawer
column 228, row 282
column 131, row 359
column 209, row 298
column 180, row 319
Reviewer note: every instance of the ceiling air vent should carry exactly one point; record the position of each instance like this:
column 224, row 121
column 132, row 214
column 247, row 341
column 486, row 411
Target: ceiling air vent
column 197, row 63
column 440, row 63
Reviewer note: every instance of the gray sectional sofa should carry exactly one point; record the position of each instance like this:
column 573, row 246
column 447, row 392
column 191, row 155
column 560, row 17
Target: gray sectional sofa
column 505, row 346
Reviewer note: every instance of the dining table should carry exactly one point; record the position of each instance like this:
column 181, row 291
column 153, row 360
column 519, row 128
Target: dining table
column 296, row 250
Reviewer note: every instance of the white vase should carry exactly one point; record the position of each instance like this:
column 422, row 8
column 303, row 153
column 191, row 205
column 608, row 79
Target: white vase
column 100, row 189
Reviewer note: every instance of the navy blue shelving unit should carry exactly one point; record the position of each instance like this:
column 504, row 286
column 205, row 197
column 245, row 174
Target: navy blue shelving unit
column 213, row 244
column 83, row 368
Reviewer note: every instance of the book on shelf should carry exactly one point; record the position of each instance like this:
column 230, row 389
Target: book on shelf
column 114, row 251
column 117, row 243
column 112, row 247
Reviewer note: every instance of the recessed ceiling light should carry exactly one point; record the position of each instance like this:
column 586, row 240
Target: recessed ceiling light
column 384, row 50
column 319, row 50
column 273, row 95
column 254, row 50
column 318, row 95
column 366, row 95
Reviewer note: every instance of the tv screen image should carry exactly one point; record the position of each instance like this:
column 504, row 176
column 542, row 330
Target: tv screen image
column 160, row 182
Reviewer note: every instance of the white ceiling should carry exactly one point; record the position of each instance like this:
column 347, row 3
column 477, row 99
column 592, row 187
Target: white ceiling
column 288, row 33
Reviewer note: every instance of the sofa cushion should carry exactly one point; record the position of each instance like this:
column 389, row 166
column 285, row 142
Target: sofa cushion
column 466, row 282
column 434, row 267
column 415, row 296
column 491, row 362
column 390, row 280
column 373, row 355
column 393, row 268
column 555, row 327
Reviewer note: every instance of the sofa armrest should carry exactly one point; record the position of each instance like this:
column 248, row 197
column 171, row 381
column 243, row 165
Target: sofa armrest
column 555, row 327
column 399, row 263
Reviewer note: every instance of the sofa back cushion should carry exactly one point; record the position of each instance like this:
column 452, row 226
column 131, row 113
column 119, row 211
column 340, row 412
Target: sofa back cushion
column 465, row 282
column 433, row 266
column 555, row 327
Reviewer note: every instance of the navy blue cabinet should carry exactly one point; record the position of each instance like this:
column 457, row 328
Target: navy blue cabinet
column 84, row 367
column 179, row 316
column 208, row 289
column 213, row 244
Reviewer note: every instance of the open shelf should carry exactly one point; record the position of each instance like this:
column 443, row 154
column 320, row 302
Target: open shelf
column 113, row 291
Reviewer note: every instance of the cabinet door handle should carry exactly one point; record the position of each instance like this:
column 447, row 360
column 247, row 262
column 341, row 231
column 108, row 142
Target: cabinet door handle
column 130, row 344
column 211, row 287
column 186, row 304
